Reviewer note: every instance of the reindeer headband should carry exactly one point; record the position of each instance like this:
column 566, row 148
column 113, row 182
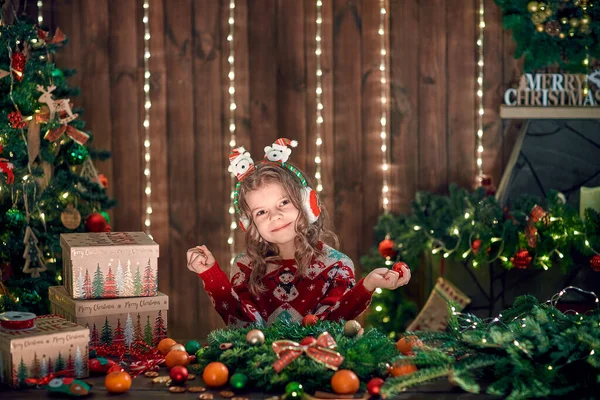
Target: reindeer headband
column 242, row 165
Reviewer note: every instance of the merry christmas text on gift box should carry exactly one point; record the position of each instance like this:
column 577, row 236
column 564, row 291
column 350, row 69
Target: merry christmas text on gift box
column 53, row 345
column 109, row 265
column 115, row 320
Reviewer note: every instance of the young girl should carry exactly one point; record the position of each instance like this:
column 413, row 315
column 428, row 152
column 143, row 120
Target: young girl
column 287, row 271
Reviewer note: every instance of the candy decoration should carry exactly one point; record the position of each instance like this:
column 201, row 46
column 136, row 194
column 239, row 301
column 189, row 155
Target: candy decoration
column 309, row 320
column 374, row 386
column 255, row 337
column 294, row 390
column 192, row 347
column 164, row 345
column 117, row 382
column 179, row 374
column 238, row 381
column 215, row 374
column 345, row 381
column 177, row 357
column 387, row 248
column 595, row 263
column 352, row 328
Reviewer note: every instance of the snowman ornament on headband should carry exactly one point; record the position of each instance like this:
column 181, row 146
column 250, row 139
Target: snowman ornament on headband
column 242, row 165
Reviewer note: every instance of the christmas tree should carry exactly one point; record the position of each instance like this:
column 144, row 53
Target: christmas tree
column 128, row 331
column 36, row 368
column 70, row 368
column 79, row 363
column 160, row 332
column 149, row 284
column 98, row 284
column 137, row 282
column 94, row 338
column 87, row 286
column 119, row 337
column 106, row 336
column 110, row 285
column 148, row 333
column 22, row 373
column 60, row 363
column 42, row 148
column 137, row 330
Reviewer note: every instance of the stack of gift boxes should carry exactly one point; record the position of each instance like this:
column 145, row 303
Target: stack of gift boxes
column 110, row 296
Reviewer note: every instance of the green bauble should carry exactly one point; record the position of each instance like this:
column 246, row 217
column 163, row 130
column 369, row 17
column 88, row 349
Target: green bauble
column 14, row 217
column 192, row 346
column 238, row 380
column 107, row 218
column 77, row 154
column 294, row 390
column 57, row 73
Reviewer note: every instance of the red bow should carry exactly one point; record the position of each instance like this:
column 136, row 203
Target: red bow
column 320, row 350
column 77, row 135
column 7, row 167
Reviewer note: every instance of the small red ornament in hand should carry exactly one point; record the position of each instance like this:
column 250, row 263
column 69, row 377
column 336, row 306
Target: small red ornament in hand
column 398, row 267
column 179, row 374
column 96, row 223
column 309, row 320
column 595, row 263
column 387, row 248
column 522, row 259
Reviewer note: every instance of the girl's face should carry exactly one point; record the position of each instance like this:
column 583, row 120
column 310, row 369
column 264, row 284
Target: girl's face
column 273, row 214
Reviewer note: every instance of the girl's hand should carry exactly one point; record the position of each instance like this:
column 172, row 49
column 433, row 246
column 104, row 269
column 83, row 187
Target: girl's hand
column 386, row 279
column 199, row 259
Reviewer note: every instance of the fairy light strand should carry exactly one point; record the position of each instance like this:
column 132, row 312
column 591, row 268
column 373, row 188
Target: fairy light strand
column 318, row 93
column 385, row 139
column 480, row 110
column 40, row 6
column 232, row 125
column 146, row 124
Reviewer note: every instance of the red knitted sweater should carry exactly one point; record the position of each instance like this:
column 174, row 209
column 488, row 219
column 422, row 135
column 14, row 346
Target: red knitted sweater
column 327, row 290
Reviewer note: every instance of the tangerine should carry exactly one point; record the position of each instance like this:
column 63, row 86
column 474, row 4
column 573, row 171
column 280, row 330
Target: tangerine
column 402, row 369
column 165, row 345
column 177, row 357
column 215, row 374
column 406, row 344
column 345, row 381
column 117, row 382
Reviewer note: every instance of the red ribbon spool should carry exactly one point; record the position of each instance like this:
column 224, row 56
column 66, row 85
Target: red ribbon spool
column 17, row 321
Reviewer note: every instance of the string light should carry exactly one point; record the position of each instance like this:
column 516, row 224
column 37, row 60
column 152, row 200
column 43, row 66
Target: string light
column 385, row 139
column 232, row 126
column 146, row 124
column 40, row 6
column 318, row 93
column 480, row 110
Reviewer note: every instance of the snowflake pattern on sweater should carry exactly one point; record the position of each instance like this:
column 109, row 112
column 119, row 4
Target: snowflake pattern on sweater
column 327, row 289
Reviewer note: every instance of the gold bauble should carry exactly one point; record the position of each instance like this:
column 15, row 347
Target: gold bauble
column 574, row 22
column 178, row 347
column 585, row 20
column 539, row 27
column 532, row 6
column 538, row 18
column 541, row 6
column 561, row 35
column 255, row 337
column 352, row 328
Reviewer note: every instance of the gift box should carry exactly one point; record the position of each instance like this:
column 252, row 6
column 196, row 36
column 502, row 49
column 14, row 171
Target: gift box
column 115, row 320
column 109, row 264
column 52, row 345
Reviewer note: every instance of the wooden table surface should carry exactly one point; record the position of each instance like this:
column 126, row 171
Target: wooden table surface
column 143, row 388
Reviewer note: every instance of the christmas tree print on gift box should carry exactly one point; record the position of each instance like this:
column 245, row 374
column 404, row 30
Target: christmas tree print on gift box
column 110, row 265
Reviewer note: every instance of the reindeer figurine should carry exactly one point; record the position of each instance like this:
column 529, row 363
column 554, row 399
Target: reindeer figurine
column 61, row 106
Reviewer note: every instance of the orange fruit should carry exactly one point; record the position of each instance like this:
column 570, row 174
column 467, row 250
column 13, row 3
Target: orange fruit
column 345, row 381
column 400, row 369
column 405, row 344
column 164, row 345
column 117, row 382
column 177, row 357
column 215, row 374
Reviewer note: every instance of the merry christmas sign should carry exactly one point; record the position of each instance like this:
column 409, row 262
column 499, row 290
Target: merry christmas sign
column 109, row 265
column 555, row 90
column 52, row 345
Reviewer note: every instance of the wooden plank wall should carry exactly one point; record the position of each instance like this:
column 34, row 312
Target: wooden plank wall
column 432, row 122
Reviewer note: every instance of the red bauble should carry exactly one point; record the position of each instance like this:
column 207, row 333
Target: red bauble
column 475, row 246
column 522, row 259
column 101, row 365
column 18, row 65
column 387, row 248
column 114, row 367
column 309, row 320
column 178, row 374
column 374, row 386
column 398, row 267
column 595, row 263
column 307, row 341
column 95, row 222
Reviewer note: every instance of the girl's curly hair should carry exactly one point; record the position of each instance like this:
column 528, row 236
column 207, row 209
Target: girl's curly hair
column 308, row 235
